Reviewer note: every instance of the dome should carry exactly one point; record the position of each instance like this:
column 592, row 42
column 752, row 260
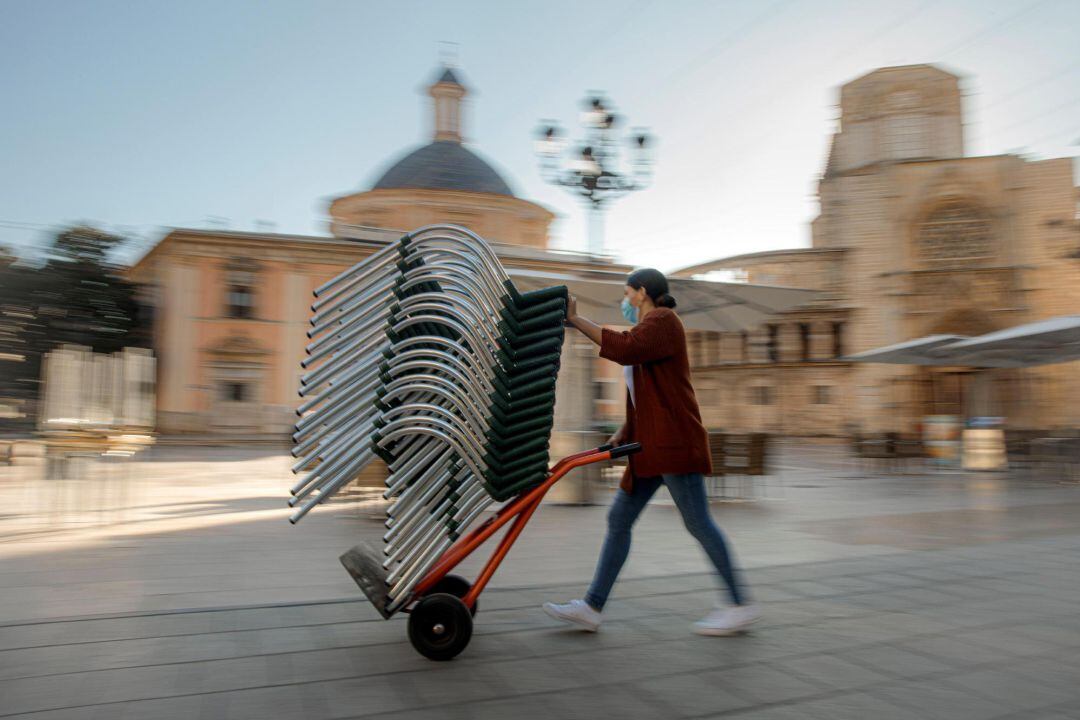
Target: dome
column 444, row 165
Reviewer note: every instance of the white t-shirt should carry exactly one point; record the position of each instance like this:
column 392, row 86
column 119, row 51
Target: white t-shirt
column 628, row 374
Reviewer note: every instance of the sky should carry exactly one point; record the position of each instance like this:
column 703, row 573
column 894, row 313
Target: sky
column 139, row 116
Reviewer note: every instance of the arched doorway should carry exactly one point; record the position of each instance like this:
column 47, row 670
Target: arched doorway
column 962, row 391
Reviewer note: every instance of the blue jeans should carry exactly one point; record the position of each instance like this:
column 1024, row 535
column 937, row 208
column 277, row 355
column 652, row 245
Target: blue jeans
column 688, row 492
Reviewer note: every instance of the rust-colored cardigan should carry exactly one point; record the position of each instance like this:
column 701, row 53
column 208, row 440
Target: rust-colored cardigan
column 664, row 415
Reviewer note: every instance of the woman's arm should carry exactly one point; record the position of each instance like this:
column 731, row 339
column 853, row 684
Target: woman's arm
column 649, row 340
column 587, row 327
column 654, row 338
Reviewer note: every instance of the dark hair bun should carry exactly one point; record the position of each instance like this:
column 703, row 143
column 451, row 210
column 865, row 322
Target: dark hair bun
column 655, row 284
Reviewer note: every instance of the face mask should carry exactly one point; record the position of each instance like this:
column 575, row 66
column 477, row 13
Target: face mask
column 628, row 311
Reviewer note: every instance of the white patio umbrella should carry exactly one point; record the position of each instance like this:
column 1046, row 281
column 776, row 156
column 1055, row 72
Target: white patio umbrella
column 703, row 304
column 1055, row 340
column 929, row 350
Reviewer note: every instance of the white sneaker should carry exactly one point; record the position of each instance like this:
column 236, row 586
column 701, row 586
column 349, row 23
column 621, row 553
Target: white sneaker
column 728, row 621
column 577, row 612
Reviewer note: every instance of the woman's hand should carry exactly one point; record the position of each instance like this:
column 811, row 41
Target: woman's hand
column 571, row 310
column 587, row 327
column 619, row 437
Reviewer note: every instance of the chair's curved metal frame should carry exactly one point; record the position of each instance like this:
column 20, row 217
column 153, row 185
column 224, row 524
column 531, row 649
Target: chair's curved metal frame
column 379, row 381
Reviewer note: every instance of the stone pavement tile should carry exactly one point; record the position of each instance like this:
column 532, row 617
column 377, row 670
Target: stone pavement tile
column 1068, row 711
column 853, row 584
column 159, row 651
column 526, row 707
column 763, row 684
column 354, row 697
column 1051, row 671
column 879, row 601
column 967, row 615
column 948, row 649
column 886, row 626
column 855, row 706
column 1002, row 586
column 776, row 574
column 819, row 609
column 936, row 575
column 1059, row 583
column 921, row 597
column 686, row 695
column 686, row 654
column 781, row 616
column 933, row 700
column 1056, row 631
column 693, row 602
column 52, row 692
column 608, row 701
column 1063, row 606
column 961, row 591
column 777, row 712
column 894, row 661
column 1008, row 641
column 454, row 682
column 534, row 676
column 885, row 579
column 1011, row 691
column 810, row 588
column 812, row 639
column 966, row 574
column 832, row 671
column 773, row 593
column 635, row 587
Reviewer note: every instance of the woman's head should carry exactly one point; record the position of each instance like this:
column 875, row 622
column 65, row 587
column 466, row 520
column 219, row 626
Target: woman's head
column 651, row 284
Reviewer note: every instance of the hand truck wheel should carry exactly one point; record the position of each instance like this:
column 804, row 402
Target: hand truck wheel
column 440, row 626
column 457, row 586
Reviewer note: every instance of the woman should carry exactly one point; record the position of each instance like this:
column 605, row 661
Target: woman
column 662, row 414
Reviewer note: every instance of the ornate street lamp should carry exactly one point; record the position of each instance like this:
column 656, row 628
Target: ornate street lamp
column 592, row 168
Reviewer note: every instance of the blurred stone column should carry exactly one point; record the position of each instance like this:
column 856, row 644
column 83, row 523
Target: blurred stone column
column 573, row 420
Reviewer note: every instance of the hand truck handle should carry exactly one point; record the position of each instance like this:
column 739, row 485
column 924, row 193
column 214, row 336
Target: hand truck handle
column 624, row 450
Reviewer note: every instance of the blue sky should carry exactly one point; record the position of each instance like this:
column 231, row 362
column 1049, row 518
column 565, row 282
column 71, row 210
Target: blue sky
column 141, row 115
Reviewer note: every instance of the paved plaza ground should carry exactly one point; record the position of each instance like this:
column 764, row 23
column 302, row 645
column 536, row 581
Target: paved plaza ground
column 885, row 595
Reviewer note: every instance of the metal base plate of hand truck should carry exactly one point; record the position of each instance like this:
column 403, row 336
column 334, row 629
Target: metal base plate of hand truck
column 364, row 565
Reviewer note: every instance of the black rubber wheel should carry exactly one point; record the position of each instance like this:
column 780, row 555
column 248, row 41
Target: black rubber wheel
column 440, row 626
column 457, row 586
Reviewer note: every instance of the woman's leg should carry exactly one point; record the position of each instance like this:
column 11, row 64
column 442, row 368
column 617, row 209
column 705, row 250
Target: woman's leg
column 621, row 517
column 688, row 492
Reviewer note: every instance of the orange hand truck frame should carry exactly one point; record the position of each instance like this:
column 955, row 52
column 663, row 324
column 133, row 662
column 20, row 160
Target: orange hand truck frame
column 441, row 606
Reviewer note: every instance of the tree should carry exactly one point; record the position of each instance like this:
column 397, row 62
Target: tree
column 78, row 296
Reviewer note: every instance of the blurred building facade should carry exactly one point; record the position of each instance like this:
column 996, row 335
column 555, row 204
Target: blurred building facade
column 913, row 239
column 232, row 308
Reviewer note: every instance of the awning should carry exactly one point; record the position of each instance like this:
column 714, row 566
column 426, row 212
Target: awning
column 1056, row 340
column 703, row 305
column 929, row 350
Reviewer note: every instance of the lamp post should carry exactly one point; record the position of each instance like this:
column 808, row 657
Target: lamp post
column 593, row 167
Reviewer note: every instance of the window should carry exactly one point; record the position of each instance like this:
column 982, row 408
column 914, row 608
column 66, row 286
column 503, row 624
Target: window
column 745, row 348
column 804, row 341
column 774, row 343
column 761, row 395
column 240, row 302
column 234, row 392
column 906, row 137
column 955, row 233
column 241, row 279
column 838, row 339
column 599, row 390
column 822, row 395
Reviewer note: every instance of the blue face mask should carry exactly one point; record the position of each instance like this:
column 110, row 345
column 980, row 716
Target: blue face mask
column 628, row 311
